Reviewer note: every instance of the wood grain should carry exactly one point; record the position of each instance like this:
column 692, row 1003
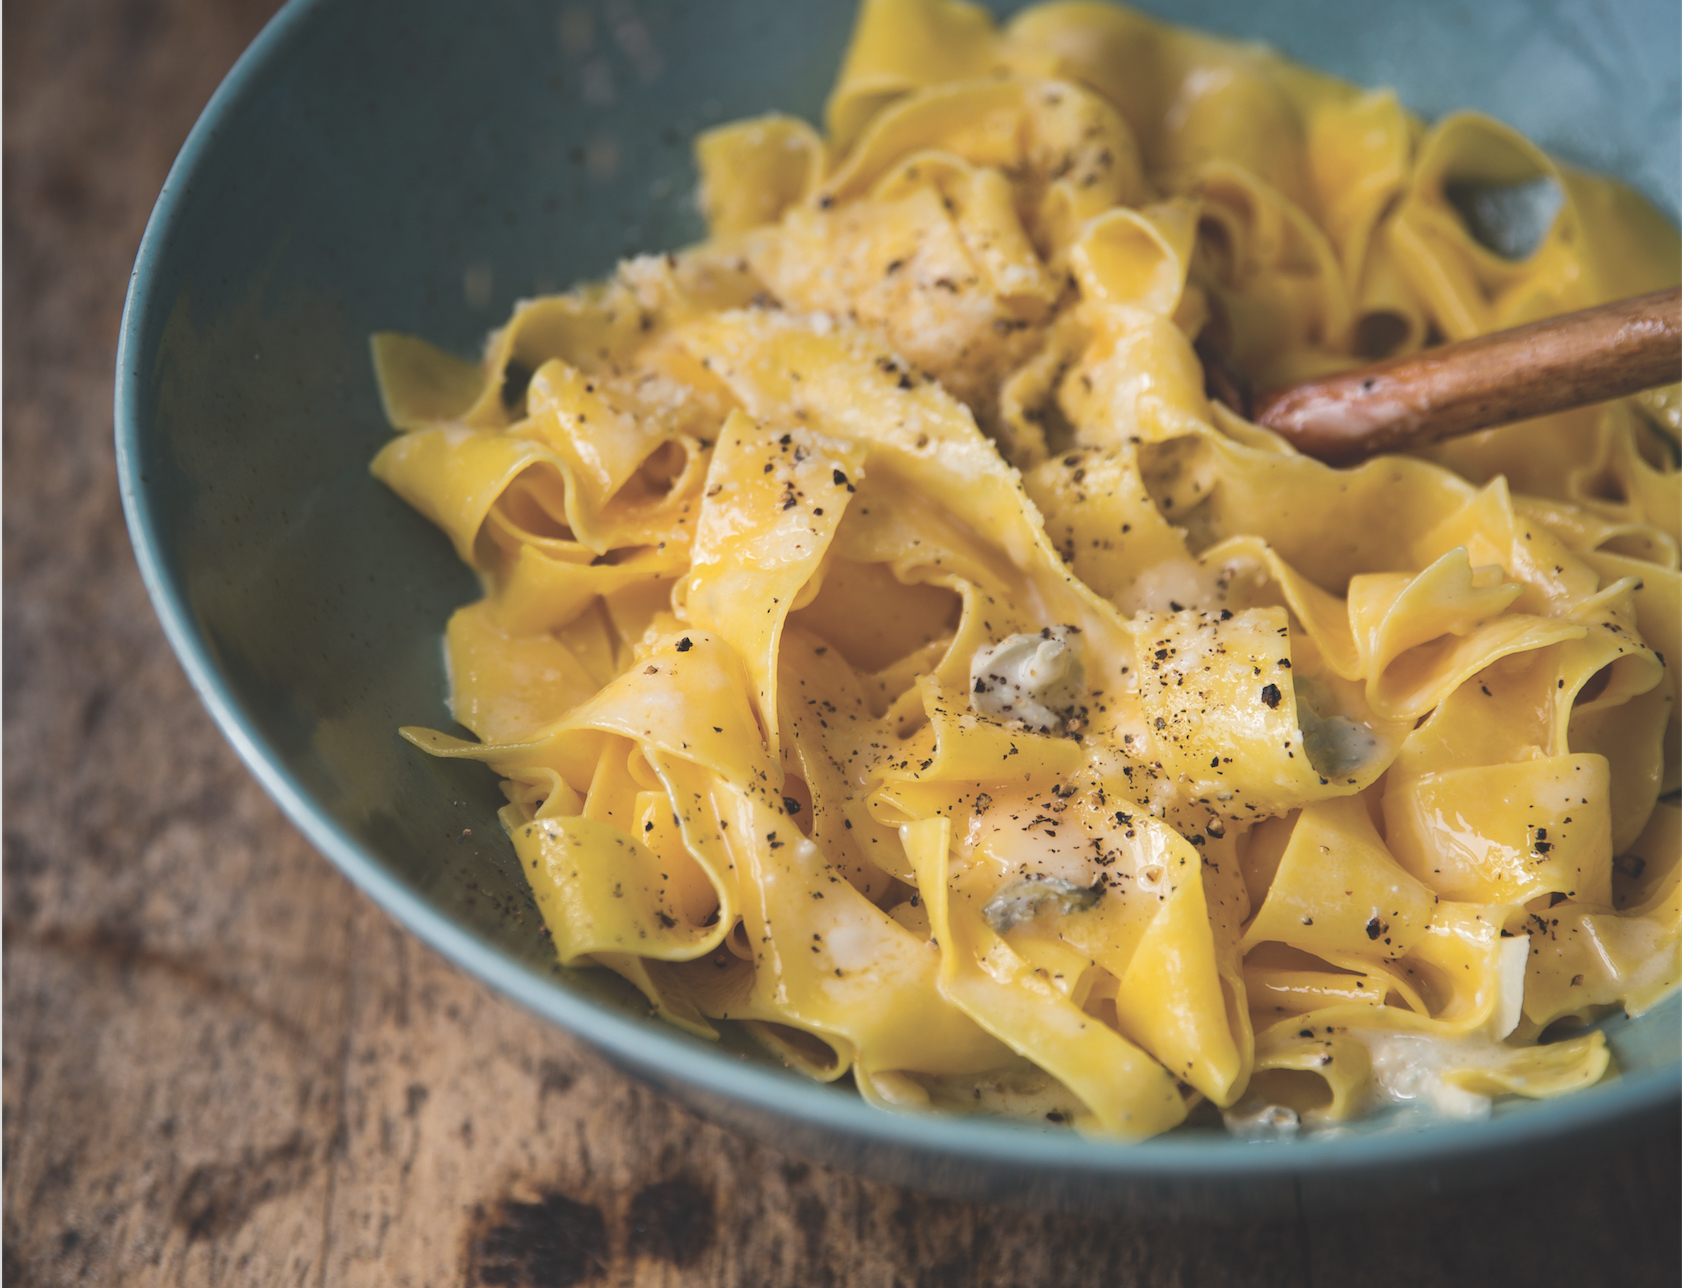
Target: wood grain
column 1553, row 365
column 223, row 1066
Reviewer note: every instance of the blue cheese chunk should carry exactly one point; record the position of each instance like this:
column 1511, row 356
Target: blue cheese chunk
column 1037, row 679
column 1023, row 900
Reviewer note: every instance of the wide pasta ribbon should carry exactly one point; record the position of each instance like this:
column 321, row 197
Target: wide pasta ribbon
column 1338, row 786
column 1124, row 1090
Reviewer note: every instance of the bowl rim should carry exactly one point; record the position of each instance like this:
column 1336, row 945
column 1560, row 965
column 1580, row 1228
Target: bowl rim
column 648, row 1045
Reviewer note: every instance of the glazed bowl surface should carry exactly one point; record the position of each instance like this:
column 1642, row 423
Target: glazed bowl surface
column 419, row 165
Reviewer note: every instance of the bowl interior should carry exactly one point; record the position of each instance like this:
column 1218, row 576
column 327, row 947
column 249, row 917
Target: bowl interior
column 420, row 165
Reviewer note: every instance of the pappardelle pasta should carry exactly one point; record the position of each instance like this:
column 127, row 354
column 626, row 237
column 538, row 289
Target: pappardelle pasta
column 888, row 647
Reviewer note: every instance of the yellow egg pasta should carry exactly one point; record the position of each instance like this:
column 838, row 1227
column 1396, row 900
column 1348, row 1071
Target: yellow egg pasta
column 888, row 647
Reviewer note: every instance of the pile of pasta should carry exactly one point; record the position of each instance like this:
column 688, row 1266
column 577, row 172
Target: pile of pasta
column 1357, row 785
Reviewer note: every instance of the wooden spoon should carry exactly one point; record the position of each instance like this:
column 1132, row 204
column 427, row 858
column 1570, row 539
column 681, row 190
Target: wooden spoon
column 1548, row 366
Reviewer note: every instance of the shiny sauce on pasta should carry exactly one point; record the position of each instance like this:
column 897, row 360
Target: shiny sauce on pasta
column 888, row 647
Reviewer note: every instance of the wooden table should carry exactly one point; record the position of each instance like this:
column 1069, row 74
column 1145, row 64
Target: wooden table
column 223, row 1065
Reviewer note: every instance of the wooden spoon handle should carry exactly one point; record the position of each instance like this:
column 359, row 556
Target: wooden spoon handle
column 1548, row 366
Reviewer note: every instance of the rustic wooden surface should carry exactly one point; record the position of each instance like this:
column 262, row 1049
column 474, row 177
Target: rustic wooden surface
column 224, row 1066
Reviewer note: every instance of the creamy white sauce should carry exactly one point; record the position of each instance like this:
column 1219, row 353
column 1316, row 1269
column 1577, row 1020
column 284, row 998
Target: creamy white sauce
column 1179, row 582
column 1410, row 1069
column 1059, row 839
column 852, row 945
column 1020, row 1092
column 1261, row 1120
column 1003, row 837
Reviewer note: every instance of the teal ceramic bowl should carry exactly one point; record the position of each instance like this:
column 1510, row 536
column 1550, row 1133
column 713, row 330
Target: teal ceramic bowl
column 419, row 165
